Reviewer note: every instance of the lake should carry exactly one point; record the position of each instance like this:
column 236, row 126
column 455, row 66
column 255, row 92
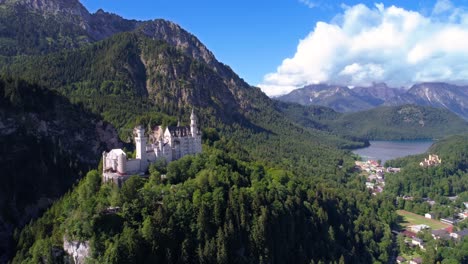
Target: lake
column 387, row 150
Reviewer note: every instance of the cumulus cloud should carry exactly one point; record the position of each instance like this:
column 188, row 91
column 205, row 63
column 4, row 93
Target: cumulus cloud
column 390, row 44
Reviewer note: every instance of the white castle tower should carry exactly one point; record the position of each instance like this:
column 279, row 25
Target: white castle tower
column 140, row 143
column 193, row 124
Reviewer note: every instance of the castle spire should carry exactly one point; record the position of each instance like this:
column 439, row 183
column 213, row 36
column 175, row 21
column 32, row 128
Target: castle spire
column 193, row 124
column 192, row 116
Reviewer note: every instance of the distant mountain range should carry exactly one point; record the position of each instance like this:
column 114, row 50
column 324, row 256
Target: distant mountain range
column 344, row 99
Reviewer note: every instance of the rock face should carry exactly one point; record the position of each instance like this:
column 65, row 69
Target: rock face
column 440, row 95
column 70, row 8
column 340, row 98
column 47, row 143
column 378, row 93
column 79, row 251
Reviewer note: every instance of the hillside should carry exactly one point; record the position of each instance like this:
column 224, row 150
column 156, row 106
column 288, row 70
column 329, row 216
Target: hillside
column 382, row 123
column 216, row 208
column 402, row 122
column 130, row 68
column 47, row 144
column 450, row 178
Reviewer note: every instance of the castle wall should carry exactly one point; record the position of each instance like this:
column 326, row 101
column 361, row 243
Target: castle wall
column 152, row 155
column 133, row 166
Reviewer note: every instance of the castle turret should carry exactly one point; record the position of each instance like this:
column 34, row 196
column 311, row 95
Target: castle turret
column 193, row 124
column 140, row 143
column 121, row 164
column 104, row 159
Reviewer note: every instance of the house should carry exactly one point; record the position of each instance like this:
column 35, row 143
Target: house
column 418, row 228
column 448, row 220
column 440, row 234
column 393, row 170
column 400, row 259
column 460, row 234
column 417, row 242
column 408, row 198
column 463, row 215
column 429, row 215
column 416, row 261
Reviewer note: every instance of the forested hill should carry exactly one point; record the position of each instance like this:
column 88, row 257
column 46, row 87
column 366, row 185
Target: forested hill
column 217, row 208
column 46, row 145
column 382, row 123
column 450, row 178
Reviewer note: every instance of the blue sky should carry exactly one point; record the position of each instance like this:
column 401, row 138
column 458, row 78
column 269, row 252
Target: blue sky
column 253, row 37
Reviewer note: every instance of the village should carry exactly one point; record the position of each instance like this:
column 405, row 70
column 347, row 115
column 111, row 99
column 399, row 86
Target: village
column 375, row 174
column 416, row 231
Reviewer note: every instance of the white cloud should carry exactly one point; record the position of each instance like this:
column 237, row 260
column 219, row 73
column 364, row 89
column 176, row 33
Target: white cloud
column 442, row 6
column 365, row 44
column 309, row 3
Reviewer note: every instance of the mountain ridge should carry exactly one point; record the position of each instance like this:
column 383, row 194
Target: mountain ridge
column 435, row 94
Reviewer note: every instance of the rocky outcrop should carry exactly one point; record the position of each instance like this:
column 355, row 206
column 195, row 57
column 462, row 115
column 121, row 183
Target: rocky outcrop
column 340, row 98
column 79, row 251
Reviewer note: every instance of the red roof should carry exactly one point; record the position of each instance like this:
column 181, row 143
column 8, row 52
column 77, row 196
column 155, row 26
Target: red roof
column 449, row 229
column 409, row 234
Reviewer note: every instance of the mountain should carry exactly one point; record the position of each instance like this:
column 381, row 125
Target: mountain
column 378, row 93
column 340, row 98
column 381, row 123
column 343, row 99
column 44, row 26
column 436, row 94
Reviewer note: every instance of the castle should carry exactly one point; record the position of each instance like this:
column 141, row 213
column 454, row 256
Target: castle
column 169, row 144
column 433, row 160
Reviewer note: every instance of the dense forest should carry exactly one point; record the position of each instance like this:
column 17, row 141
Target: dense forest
column 216, row 208
column 447, row 179
column 42, row 151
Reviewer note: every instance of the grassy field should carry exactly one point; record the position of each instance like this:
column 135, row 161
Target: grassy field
column 415, row 219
